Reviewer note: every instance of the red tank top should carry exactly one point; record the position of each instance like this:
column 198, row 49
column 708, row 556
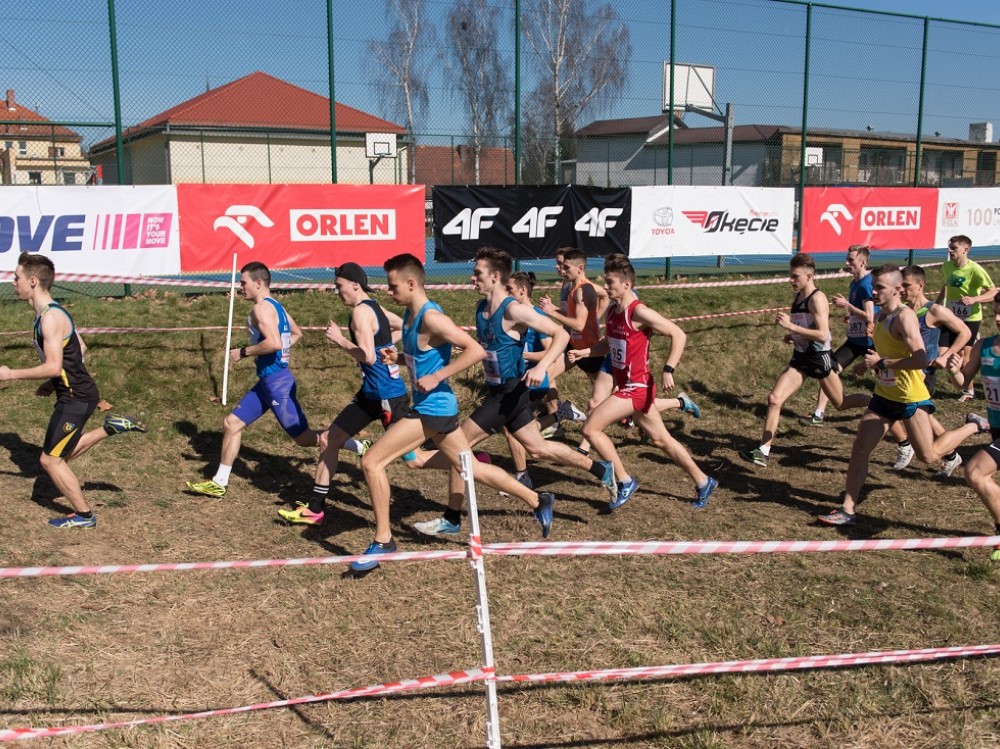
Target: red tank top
column 591, row 333
column 628, row 347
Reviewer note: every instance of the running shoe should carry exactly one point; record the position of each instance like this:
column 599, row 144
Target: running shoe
column 813, row 420
column 704, row 493
column 365, row 446
column 755, row 456
column 302, row 515
column 208, row 488
column 838, row 517
column 688, row 405
column 374, row 548
column 569, row 412
column 967, row 396
column 948, row 467
column 437, row 527
column 995, row 556
column 556, row 430
column 625, row 491
column 543, row 513
column 627, row 422
column 409, row 457
column 121, row 423
column 608, row 478
column 903, row 457
column 74, row 521
column 524, row 479
column 483, row 458
column 982, row 425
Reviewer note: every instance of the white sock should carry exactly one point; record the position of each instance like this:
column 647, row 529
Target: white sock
column 353, row 445
column 222, row 475
column 818, row 414
column 765, row 450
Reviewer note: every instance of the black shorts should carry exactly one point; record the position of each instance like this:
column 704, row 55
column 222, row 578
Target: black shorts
column 362, row 411
column 815, row 364
column 510, row 405
column 993, row 449
column 896, row 411
column 591, row 365
column 947, row 337
column 66, row 427
column 849, row 352
column 437, row 424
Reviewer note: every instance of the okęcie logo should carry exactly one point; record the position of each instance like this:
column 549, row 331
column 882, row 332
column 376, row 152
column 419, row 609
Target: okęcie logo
column 890, row 218
column 950, row 215
column 237, row 216
column 720, row 221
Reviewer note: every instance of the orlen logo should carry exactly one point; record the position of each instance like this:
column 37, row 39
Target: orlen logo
column 235, row 219
column 469, row 222
column 719, row 221
column 342, row 224
column 890, row 218
column 103, row 231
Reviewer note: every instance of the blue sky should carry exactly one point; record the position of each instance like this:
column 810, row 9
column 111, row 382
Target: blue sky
column 865, row 69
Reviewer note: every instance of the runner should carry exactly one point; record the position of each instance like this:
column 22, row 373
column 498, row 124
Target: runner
column 900, row 393
column 808, row 326
column 62, row 351
column 630, row 326
column 273, row 332
column 382, row 396
column 428, row 337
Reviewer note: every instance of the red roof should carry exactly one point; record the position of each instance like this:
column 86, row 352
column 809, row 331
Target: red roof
column 10, row 110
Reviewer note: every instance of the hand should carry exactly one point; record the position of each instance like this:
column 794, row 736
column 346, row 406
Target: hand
column 668, row 382
column 45, row 389
column 535, row 376
column 575, row 354
column 784, row 320
column 967, row 300
column 427, row 383
column 334, row 333
column 6, row 375
column 388, row 355
column 860, row 369
column 940, row 363
column 955, row 362
column 872, row 359
column 234, row 354
column 840, row 301
column 547, row 306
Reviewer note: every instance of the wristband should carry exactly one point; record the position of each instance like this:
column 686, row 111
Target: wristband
column 881, row 365
column 243, row 352
column 667, row 369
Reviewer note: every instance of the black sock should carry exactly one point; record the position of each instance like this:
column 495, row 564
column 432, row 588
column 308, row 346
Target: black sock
column 453, row 516
column 88, row 514
column 318, row 498
column 997, row 529
column 903, row 443
column 596, row 470
column 954, row 454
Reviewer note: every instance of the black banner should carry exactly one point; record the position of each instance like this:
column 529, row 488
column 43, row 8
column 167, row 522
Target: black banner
column 530, row 222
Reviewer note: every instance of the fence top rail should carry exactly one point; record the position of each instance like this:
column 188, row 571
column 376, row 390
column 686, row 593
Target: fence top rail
column 896, row 14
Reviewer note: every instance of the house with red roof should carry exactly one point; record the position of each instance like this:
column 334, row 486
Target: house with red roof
column 36, row 152
column 256, row 129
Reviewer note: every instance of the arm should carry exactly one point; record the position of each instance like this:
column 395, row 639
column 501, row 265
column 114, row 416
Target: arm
column 295, row 330
column 917, row 358
column 960, row 333
column 865, row 311
column 576, row 323
column 646, row 315
column 820, row 308
column 54, row 329
column 363, row 323
column 525, row 315
column 440, row 329
column 961, row 375
column 536, row 356
column 396, row 323
column 266, row 321
column 941, row 295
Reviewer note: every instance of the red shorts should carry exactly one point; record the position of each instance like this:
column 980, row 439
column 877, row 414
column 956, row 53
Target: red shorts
column 642, row 396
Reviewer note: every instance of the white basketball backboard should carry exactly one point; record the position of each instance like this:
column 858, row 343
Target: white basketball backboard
column 380, row 145
column 694, row 85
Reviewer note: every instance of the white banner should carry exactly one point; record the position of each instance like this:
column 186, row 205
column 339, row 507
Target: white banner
column 972, row 211
column 669, row 221
column 115, row 230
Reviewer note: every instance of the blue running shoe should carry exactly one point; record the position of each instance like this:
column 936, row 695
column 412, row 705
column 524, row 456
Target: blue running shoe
column 543, row 513
column 625, row 492
column 74, row 521
column 373, row 548
column 704, row 493
column 688, row 405
column 608, row 479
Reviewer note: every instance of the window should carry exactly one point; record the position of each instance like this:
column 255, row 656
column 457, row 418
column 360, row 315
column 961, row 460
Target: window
column 881, row 166
column 936, row 166
column 56, row 151
column 69, row 178
column 34, row 178
column 22, row 148
column 9, row 145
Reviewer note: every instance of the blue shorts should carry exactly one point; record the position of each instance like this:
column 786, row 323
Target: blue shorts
column 606, row 364
column 895, row 411
column 275, row 392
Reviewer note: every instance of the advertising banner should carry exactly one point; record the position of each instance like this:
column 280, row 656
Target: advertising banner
column 298, row 226
column 974, row 212
column 529, row 222
column 112, row 230
column 670, row 221
column 884, row 218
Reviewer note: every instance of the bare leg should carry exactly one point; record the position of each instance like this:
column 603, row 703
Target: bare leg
column 930, row 448
column 787, row 384
column 611, row 410
column 87, row 441
column 399, row 439
column 517, row 451
column 653, row 425
column 65, row 480
column 979, row 474
column 871, row 430
column 232, row 435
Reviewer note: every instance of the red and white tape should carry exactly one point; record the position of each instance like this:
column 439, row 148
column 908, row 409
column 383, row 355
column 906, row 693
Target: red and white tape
column 454, row 678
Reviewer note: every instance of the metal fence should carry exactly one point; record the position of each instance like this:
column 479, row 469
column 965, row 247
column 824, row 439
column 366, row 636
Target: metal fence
column 477, row 92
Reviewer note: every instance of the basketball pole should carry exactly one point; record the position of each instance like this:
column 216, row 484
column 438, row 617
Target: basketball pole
column 229, row 332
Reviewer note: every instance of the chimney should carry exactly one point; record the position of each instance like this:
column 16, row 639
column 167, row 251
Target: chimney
column 10, row 100
column 981, row 132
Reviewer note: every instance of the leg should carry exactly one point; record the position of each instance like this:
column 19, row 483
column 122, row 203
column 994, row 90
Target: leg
column 979, row 475
column 787, row 384
column 871, row 430
column 834, row 389
column 930, row 448
column 517, row 451
column 653, row 425
column 87, row 441
column 232, row 436
column 399, row 439
column 65, row 480
column 611, row 410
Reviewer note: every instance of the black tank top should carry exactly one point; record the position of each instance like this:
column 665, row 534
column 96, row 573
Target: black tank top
column 74, row 382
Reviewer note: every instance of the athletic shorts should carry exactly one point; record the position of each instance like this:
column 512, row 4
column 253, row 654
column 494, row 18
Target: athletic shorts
column 947, row 338
column 849, row 352
column 436, row 424
column 606, row 364
column 993, row 449
column 509, row 405
column 643, row 397
column 815, row 364
column 275, row 392
column 591, row 365
column 896, row 411
column 66, row 427
column 362, row 411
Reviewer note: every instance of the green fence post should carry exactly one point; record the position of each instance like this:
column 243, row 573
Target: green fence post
column 517, row 93
column 920, row 111
column 333, row 102
column 116, row 90
column 805, row 123
column 670, row 121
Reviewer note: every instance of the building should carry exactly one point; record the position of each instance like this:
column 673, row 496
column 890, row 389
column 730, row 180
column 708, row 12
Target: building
column 36, row 152
column 634, row 152
column 256, row 129
column 455, row 165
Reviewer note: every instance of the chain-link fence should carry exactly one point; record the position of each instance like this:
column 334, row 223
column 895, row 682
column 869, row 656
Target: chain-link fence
column 477, row 92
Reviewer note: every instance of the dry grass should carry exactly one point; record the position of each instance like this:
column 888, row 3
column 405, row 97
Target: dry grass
column 88, row 649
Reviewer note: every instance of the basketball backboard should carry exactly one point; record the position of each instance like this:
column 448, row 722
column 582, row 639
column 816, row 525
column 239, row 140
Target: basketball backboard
column 380, row 145
column 694, row 85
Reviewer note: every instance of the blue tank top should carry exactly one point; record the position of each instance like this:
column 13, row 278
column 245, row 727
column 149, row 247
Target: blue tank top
column 504, row 353
column 441, row 401
column 380, row 381
column 268, row 364
column 989, row 368
column 857, row 327
column 930, row 334
column 534, row 341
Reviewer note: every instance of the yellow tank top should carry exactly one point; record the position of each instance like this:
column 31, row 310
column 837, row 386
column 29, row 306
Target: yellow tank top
column 899, row 385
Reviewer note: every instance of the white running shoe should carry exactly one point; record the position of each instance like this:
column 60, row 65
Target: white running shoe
column 903, row 457
column 568, row 412
column 948, row 467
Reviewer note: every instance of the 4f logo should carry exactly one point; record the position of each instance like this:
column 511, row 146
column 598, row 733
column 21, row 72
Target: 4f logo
column 537, row 220
column 235, row 220
column 469, row 222
column 597, row 221
column 832, row 213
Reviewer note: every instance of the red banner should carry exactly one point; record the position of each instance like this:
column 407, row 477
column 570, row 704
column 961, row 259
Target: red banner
column 884, row 218
column 298, row 226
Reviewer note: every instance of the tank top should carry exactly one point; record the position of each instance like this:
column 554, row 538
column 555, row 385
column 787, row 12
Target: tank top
column 628, row 347
column 440, row 401
column 899, row 385
column 801, row 316
column 930, row 334
column 590, row 334
column 534, row 341
column 73, row 383
column 268, row 364
column 504, row 353
column 989, row 368
column 380, row 381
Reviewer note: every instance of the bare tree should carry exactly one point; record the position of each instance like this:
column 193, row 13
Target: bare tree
column 480, row 76
column 582, row 56
column 400, row 66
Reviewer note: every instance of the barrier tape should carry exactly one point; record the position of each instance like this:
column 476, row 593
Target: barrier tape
column 453, row 678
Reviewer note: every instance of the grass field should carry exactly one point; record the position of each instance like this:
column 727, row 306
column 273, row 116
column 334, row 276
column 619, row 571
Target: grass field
column 81, row 650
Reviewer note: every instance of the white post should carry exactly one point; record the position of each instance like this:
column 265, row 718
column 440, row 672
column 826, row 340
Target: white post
column 482, row 607
column 229, row 332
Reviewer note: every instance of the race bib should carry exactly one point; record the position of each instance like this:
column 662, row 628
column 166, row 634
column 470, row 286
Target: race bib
column 803, row 320
column 885, row 377
column 961, row 311
column 491, row 366
column 616, row 347
column 412, row 366
column 992, row 387
column 857, row 327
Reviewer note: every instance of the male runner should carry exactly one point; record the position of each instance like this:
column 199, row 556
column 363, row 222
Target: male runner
column 382, row 396
column 61, row 350
column 630, row 325
column 966, row 286
column 860, row 311
column 808, row 326
column 900, row 393
column 428, row 337
column 273, row 332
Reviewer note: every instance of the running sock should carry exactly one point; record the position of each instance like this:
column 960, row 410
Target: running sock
column 703, row 483
column 817, row 414
column 903, row 443
column 596, row 470
column 952, row 456
column 88, row 514
column 318, row 499
column 453, row 516
column 765, row 450
column 222, row 475
column 353, row 445
column 520, row 474
column 582, row 451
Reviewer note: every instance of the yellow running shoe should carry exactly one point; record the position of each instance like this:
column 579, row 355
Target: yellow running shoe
column 208, row 488
column 302, row 515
